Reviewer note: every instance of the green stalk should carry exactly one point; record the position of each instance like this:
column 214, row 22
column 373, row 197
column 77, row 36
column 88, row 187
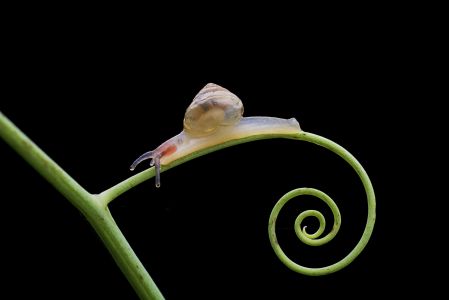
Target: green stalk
column 91, row 206
column 94, row 207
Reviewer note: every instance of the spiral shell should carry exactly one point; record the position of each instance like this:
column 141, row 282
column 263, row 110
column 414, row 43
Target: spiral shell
column 212, row 108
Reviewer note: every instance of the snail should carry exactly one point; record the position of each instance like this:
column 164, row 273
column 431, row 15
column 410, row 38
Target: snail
column 215, row 116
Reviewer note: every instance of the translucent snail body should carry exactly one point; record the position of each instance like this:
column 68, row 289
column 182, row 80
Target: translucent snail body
column 213, row 117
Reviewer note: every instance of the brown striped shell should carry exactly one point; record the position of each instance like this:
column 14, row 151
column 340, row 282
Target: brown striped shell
column 212, row 108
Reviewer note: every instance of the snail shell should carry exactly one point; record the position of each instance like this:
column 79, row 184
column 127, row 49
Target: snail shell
column 212, row 108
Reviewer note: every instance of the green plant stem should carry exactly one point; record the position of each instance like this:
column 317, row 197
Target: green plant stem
column 94, row 207
column 90, row 205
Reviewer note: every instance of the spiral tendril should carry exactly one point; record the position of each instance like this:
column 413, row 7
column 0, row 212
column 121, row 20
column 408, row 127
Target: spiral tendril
column 313, row 239
column 308, row 238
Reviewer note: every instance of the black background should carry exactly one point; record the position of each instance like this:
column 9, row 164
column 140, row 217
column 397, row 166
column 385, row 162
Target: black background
column 94, row 92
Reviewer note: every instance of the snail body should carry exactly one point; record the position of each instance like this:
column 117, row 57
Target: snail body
column 214, row 116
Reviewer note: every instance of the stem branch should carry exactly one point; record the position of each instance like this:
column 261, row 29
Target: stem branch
column 90, row 206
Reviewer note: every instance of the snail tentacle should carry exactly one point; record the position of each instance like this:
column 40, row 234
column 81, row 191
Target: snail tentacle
column 155, row 157
column 157, row 163
column 145, row 156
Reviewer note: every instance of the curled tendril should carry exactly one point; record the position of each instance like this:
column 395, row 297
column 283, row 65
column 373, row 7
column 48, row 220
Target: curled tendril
column 313, row 239
column 308, row 238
